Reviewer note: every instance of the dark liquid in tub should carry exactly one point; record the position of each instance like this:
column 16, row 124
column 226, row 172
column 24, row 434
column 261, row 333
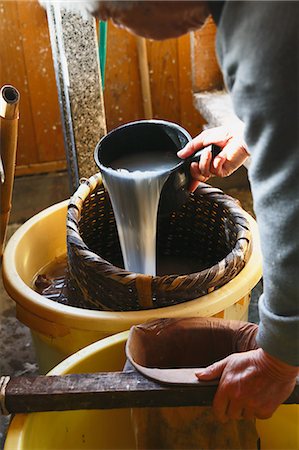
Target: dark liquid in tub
column 53, row 282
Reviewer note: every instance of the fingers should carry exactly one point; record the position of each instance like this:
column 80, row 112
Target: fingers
column 227, row 410
column 228, row 405
column 266, row 414
column 196, row 177
column 233, row 154
column 230, row 159
column 221, row 406
column 238, row 411
column 202, row 170
column 193, row 185
column 204, row 163
column 250, row 385
column 190, row 149
column 217, row 135
column 247, row 414
column 196, row 173
column 221, row 399
column 211, row 372
column 218, row 164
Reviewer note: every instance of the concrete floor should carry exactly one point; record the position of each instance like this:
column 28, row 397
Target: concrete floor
column 16, row 351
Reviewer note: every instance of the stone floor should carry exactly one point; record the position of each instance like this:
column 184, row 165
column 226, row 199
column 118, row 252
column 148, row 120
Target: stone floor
column 16, row 351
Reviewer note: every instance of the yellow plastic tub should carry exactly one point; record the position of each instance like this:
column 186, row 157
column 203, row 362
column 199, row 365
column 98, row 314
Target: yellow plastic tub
column 59, row 330
column 96, row 430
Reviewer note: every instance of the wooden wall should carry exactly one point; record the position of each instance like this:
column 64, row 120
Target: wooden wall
column 170, row 81
column 206, row 75
column 26, row 62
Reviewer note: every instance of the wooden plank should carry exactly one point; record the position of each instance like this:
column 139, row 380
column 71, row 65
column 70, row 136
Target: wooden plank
column 99, row 391
column 163, row 60
column 206, row 73
column 51, row 166
column 41, row 82
column 190, row 117
column 106, row 390
column 122, row 93
column 13, row 71
column 170, row 77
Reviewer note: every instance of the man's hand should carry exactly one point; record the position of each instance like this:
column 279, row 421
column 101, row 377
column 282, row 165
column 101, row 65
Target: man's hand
column 234, row 153
column 252, row 384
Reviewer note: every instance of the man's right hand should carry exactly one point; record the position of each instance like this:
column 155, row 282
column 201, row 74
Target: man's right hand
column 251, row 384
column 234, row 153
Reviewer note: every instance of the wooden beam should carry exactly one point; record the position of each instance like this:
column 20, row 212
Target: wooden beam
column 105, row 390
column 190, row 117
column 30, row 169
column 144, row 77
column 206, row 72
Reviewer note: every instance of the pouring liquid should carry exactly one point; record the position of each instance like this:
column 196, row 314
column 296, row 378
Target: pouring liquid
column 134, row 184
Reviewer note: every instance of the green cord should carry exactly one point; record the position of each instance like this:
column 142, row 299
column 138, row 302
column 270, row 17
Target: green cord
column 102, row 49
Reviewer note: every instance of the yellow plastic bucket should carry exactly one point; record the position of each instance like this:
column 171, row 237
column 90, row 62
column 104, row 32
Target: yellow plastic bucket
column 59, row 330
column 70, row 430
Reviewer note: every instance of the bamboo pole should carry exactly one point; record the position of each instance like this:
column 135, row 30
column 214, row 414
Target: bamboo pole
column 144, row 77
column 9, row 117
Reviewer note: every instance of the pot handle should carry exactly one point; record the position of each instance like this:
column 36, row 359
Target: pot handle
column 215, row 149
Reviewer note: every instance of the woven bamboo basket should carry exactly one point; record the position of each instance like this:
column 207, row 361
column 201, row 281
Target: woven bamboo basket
column 210, row 227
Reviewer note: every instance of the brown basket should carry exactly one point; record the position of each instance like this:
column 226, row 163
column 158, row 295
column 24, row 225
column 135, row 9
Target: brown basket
column 210, row 227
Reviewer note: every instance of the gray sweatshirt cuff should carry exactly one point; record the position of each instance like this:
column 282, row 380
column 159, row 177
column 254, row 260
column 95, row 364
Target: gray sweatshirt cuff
column 278, row 335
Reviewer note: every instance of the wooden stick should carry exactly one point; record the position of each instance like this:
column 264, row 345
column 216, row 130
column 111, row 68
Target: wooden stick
column 144, row 77
column 106, row 390
column 9, row 115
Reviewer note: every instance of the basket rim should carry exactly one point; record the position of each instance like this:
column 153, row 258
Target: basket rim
column 88, row 185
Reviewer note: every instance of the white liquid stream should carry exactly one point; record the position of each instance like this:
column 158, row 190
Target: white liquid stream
column 135, row 196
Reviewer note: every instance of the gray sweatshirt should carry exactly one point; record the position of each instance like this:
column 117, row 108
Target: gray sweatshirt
column 258, row 50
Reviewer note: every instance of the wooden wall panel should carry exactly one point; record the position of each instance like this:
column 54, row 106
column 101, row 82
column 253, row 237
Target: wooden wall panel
column 170, row 81
column 206, row 73
column 190, row 117
column 122, row 92
column 163, row 59
column 41, row 82
column 26, row 63
column 13, row 71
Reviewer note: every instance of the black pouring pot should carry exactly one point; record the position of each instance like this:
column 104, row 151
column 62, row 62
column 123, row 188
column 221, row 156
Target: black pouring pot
column 152, row 135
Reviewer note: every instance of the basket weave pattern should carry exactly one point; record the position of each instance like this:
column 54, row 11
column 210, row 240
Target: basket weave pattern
column 210, row 227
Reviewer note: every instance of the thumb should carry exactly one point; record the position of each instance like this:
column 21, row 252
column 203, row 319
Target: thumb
column 211, row 372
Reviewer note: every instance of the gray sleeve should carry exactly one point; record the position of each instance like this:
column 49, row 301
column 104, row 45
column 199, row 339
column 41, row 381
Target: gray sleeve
column 258, row 49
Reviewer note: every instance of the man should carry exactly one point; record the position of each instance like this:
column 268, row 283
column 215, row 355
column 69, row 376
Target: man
column 257, row 45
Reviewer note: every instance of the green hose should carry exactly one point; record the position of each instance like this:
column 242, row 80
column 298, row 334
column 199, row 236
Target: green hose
column 102, row 49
